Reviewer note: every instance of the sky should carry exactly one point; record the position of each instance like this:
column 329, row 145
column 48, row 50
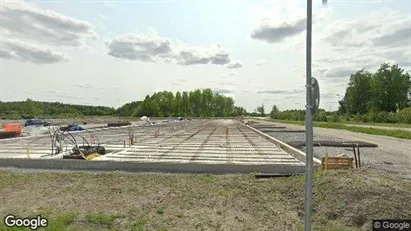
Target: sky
column 113, row 52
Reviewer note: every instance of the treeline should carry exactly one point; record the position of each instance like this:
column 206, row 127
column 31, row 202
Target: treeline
column 299, row 115
column 196, row 103
column 402, row 116
column 29, row 107
column 381, row 97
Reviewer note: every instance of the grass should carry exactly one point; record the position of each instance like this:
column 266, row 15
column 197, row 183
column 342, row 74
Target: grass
column 343, row 200
column 394, row 125
column 372, row 131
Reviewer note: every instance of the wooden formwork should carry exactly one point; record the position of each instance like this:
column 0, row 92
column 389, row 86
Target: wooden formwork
column 336, row 163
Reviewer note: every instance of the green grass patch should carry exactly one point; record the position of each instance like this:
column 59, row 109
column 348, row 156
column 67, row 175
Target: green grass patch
column 139, row 225
column 394, row 125
column 372, row 131
column 102, row 219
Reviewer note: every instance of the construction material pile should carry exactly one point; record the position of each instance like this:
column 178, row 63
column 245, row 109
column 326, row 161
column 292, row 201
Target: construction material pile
column 11, row 131
column 119, row 124
column 85, row 152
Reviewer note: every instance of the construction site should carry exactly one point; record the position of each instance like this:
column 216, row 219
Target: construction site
column 187, row 145
column 219, row 146
column 205, row 174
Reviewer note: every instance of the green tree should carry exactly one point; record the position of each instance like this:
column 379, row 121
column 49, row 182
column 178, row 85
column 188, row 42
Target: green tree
column 186, row 104
column 207, row 102
column 274, row 112
column 358, row 95
column 391, row 88
column 178, row 105
column 261, row 110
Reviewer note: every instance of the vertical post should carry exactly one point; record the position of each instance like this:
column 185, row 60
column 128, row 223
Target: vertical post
column 358, row 154
column 308, row 126
column 355, row 156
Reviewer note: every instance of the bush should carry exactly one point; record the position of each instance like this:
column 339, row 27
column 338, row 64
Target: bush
column 404, row 115
column 335, row 118
column 321, row 116
column 393, row 117
column 295, row 115
column 357, row 118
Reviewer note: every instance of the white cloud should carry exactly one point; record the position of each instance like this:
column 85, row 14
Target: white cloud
column 139, row 47
column 273, row 33
column 104, row 17
column 178, row 82
column 44, row 26
column 262, row 63
column 151, row 47
column 281, row 92
column 108, row 4
column 88, row 86
column 222, row 91
column 234, row 65
column 13, row 49
column 36, row 28
column 344, row 46
column 224, row 82
column 366, row 42
column 228, row 75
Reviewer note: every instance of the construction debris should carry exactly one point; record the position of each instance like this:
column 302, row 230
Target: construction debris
column 72, row 128
column 342, row 155
column 332, row 143
column 17, row 128
column 336, row 163
column 85, row 152
column 8, row 134
column 11, row 131
column 36, row 122
column 119, row 124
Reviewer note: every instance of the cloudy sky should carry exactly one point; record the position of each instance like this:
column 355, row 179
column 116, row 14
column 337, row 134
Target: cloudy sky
column 113, row 52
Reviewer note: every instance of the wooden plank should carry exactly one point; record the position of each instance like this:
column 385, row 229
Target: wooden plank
column 336, row 163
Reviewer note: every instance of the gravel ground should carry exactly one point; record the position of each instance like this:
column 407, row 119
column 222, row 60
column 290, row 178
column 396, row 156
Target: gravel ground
column 392, row 155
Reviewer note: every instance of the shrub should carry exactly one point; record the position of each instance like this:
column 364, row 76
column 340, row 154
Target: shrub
column 404, row 115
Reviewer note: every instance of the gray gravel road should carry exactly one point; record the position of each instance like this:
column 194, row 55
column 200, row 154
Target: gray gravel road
column 392, row 155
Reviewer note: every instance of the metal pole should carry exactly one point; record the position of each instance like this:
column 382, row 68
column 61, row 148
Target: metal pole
column 308, row 127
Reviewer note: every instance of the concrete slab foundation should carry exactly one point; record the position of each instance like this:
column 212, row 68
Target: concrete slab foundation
column 214, row 146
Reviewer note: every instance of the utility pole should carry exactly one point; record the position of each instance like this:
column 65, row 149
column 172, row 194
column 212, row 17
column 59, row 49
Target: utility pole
column 308, row 204
column 310, row 110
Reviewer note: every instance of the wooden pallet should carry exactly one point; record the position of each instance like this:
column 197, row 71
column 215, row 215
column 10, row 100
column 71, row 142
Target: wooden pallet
column 336, row 163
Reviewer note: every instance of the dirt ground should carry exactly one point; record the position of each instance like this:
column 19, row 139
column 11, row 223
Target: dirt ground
column 343, row 200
